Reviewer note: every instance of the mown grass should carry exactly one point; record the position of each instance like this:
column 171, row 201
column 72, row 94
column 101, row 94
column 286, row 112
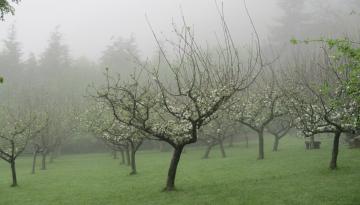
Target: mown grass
column 290, row 176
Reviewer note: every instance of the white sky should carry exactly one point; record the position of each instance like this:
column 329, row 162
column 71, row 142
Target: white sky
column 88, row 25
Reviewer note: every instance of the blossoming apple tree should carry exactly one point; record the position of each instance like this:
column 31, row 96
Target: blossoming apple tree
column 172, row 103
column 324, row 97
column 215, row 133
column 257, row 108
column 279, row 128
column 16, row 131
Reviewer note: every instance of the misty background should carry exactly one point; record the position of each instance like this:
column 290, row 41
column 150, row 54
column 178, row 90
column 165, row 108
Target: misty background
column 88, row 26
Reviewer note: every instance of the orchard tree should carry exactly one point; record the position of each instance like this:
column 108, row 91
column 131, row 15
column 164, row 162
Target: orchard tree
column 46, row 142
column 38, row 144
column 246, row 134
column 121, row 147
column 119, row 136
column 257, row 108
column 314, row 117
column 279, row 128
column 61, row 124
column 328, row 102
column 123, row 135
column 172, row 108
column 215, row 133
column 36, row 151
column 96, row 120
column 16, row 131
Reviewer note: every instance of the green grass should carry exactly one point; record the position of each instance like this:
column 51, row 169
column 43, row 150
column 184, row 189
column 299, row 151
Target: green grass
column 290, row 176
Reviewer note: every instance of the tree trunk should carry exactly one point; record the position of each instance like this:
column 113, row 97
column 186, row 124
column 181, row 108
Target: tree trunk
column 43, row 161
column 276, row 144
column 13, row 172
column 114, row 154
column 335, row 150
column 261, row 145
column 170, row 182
column 312, row 142
column 133, row 161
column 122, row 157
column 127, row 154
column 221, row 144
column 207, row 151
column 34, row 162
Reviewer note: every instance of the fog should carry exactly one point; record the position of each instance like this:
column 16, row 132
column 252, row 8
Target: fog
column 88, row 26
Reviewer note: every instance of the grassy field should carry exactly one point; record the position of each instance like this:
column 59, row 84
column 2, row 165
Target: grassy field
column 290, row 176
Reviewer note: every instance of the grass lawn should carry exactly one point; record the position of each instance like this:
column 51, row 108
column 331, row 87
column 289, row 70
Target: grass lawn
column 290, row 176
